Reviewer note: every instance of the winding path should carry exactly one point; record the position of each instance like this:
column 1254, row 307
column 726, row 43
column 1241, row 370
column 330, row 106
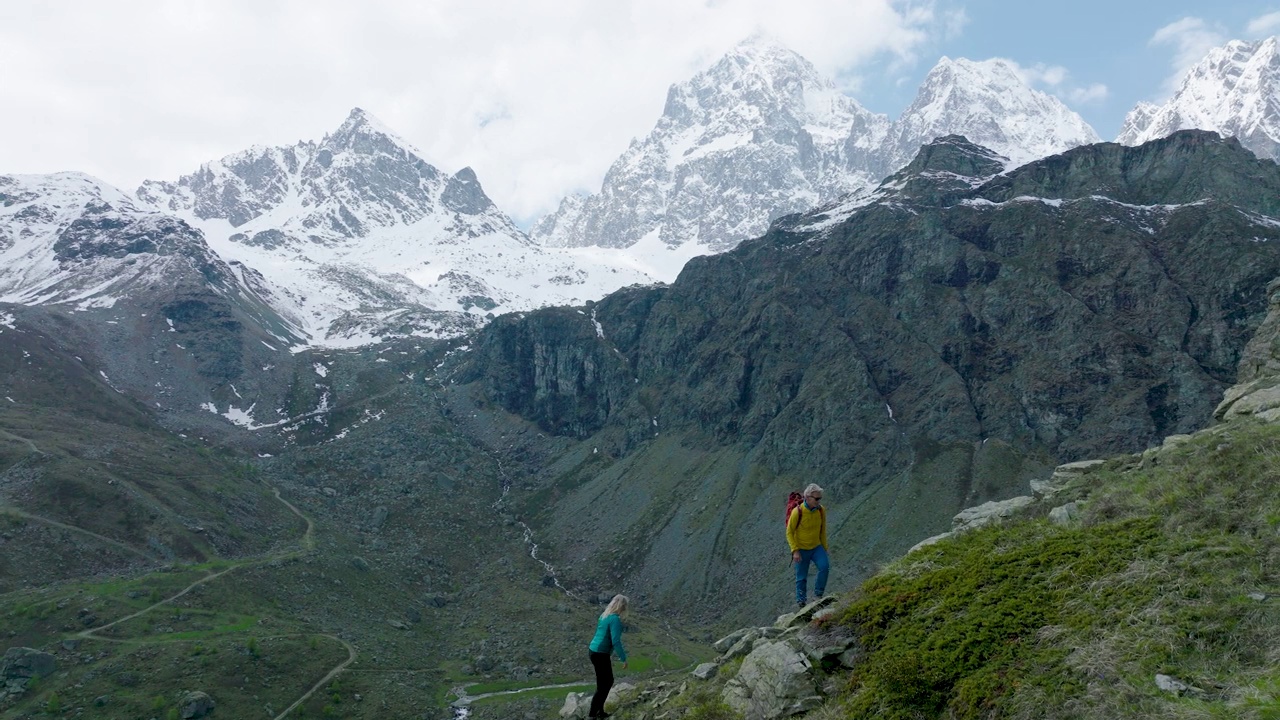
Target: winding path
column 307, row 542
column 91, row 632
column 351, row 657
column 8, row 510
column 21, row 439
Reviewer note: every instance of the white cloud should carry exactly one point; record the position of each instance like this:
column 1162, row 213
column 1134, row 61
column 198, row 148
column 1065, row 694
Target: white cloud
column 537, row 96
column 1096, row 92
column 1263, row 25
column 1051, row 75
column 1191, row 38
column 1056, row 79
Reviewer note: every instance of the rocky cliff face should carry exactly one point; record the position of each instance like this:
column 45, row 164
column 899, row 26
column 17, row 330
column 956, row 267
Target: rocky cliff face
column 762, row 134
column 1234, row 91
column 917, row 353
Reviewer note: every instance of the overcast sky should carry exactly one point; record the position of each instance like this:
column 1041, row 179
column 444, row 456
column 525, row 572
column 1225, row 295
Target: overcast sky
column 539, row 97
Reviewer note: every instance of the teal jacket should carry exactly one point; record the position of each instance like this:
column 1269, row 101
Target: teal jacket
column 609, row 637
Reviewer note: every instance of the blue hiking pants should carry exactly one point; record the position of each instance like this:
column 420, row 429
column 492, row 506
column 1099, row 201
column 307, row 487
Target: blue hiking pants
column 818, row 556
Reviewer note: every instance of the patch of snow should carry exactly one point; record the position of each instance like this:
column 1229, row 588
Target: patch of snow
column 8, row 320
column 243, row 418
column 321, row 370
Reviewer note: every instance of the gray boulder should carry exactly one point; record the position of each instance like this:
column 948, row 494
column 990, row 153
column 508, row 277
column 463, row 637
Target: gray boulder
column 620, row 695
column 986, row 513
column 706, row 671
column 21, row 663
column 730, row 640
column 195, row 705
column 378, row 518
column 745, row 643
column 576, row 705
column 775, row 681
column 1064, row 514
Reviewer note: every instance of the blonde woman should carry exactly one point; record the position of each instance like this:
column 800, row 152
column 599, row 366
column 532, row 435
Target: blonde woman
column 608, row 640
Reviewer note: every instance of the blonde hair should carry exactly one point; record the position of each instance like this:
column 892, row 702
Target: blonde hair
column 617, row 606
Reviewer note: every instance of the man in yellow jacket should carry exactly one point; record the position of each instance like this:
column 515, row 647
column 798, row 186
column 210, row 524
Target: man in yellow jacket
column 807, row 536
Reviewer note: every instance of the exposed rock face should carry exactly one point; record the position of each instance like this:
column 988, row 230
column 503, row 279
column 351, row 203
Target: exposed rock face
column 762, row 134
column 989, row 512
column 570, row 383
column 1234, row 91
column 928, row 349
column 774, row 681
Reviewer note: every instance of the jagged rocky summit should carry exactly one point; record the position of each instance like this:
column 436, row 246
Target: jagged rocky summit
column 1234, row 91
column 762, row 134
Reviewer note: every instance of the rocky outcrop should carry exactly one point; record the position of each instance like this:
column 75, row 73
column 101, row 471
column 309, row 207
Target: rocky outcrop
column 20, row 666
column 783, row 673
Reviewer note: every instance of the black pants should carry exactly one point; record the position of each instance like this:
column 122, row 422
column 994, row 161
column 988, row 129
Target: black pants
column 604, row 681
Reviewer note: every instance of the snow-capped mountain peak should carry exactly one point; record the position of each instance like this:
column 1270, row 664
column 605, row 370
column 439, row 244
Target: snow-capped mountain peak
column 759, row 134
column 363, row 237
column 988, row 102
column 362, row 127
column 361, row 177
column 1234, row 91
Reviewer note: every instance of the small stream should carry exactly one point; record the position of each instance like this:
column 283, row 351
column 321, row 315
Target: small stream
column 527, row 537
column 460, row 706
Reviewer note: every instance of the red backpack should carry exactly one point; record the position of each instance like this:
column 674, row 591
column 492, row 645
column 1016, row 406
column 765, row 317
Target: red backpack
column 793, row 500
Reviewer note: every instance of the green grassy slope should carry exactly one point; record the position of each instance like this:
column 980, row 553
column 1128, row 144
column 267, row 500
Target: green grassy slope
column 1162, row 573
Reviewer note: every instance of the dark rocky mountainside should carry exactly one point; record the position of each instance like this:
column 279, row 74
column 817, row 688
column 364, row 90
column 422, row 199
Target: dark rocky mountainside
column 928, row 350
column 91, row 484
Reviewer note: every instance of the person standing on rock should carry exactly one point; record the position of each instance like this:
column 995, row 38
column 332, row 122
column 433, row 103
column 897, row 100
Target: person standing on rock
column 608, row 640
column 807, row 536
